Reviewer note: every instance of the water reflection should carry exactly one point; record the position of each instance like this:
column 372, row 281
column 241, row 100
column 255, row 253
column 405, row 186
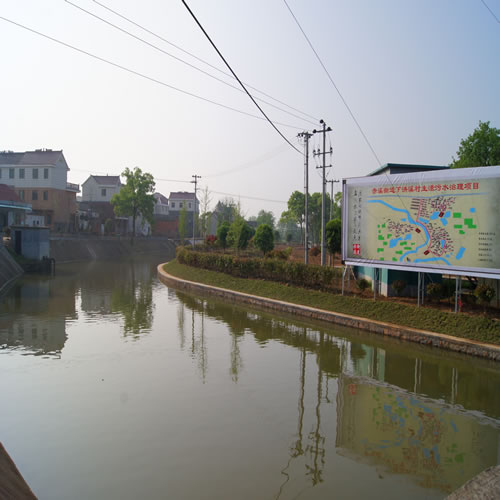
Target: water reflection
column 401, row 407
column 35, row 311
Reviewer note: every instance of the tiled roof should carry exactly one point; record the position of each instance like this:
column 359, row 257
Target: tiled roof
column 108, row 180
column 8, row 194
column 39, row 157
column 163, row 199
column 181, row 195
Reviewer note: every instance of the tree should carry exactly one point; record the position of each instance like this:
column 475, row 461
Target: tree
column 480, row 149
column 222, row 232
column 226, row 210
column 264, row 238
column 205, row 215
column 182, row 224
column 334, row 236
column 265, row 218
column 135, row 197
column 296, row 207
column 288, row 227
column 239, row 234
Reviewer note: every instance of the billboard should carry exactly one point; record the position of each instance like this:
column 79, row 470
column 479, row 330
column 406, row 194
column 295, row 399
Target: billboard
column 439, row 221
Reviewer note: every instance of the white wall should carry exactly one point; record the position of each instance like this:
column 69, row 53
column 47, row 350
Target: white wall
column 56, row 179
column 92, row 191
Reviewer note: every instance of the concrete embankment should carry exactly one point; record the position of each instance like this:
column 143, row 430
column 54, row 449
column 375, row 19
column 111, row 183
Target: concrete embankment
column 475, row 348
column 9, row 268
column 82, row 249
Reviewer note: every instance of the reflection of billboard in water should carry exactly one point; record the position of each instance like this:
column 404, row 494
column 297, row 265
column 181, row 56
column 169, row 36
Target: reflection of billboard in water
column 441, row 220
column 408, row 434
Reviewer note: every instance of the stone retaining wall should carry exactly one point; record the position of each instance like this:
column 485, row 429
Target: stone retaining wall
column 442, row 341
column 9, row 268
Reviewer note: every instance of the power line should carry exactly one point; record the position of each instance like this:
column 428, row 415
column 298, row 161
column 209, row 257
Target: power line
column 248, row 197
column 491, row 12
column 137, row 73
column 197, row 58
column 238, row 80
column 334, row 85
column 138, row 38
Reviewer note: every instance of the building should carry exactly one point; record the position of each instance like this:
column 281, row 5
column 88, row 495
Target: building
column 161, row 207
column 40, row 178
column 12, row 209
column 183, row 199
column 100, row 188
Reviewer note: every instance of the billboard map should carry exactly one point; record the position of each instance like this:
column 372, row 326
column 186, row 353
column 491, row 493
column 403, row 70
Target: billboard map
column 439, row 221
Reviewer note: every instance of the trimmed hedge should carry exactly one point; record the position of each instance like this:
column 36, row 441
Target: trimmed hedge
column 292, row 273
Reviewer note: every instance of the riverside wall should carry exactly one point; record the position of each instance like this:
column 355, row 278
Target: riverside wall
column 67, row 249
column 9, row 268
column 472, row 347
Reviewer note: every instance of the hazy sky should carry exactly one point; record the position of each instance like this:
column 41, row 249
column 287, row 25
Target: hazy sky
column 418, row 76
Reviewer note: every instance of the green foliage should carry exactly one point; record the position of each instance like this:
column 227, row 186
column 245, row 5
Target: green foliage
column 363, row 284
column 182, row 224
column 239, row 234
column 280, row 254
column 435, row 291
column 315, row 251
column 277, row 236
column 226, row 210
column 264, row 238
column 484, row 293
column 222, row 232
column 334, row 236
column 108, row 226
column 136, row 196
column 293, row 273
column 265, row 218
column 480, row 149
column 399, row 286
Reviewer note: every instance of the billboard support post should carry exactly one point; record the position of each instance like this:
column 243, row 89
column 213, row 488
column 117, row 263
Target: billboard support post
column 458, row 293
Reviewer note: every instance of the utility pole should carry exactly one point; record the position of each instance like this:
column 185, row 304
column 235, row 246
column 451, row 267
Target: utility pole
column 324, row 130
column 332, row 182
column 195, row 182
column 306, row 136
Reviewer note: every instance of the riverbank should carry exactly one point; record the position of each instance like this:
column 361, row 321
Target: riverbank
column 474, row 335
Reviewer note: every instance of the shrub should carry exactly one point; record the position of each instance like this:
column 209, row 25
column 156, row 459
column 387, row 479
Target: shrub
column 315, row 251
column 484, row 293
column 363, row 284
column 211, row 239
column 222, row 232
column 239, row 234
column 264, row 238
column 399, row 286
column 334, row 236
column 108, row 226
column 280, row 254
column 435, row 291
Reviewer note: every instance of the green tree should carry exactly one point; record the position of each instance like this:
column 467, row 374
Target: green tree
column 288, row 227
column 226, row 210
column 480, row 149
column 239, row 234
column 296, row 208
column 222, row 232
column 264, row 238
column 266, row 218
column 182, row 224
column 135, row 197
column 333, row 231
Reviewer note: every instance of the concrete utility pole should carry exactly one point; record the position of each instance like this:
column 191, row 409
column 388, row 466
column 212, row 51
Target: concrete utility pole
column 324, row 130
column 332, row 182
column 195, row 182
column 306, row 136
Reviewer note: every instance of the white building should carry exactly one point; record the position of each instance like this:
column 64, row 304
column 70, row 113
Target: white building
column 183, row 199
column 98, row 188
column 161, row 206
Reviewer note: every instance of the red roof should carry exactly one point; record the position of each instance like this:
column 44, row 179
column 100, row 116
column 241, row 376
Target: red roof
column 8, row 194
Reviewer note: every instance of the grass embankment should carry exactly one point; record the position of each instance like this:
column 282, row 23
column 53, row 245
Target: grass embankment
column 459, row 325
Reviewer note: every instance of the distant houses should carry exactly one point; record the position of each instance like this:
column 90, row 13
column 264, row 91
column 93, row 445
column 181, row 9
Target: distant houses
column 40, row 178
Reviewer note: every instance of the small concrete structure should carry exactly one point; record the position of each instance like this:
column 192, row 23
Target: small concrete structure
column 485, row 486
column 31, row 242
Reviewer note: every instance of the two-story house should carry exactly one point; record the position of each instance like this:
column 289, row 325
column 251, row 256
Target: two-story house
column 183, row 199
column 95, row 206
column 40, row 178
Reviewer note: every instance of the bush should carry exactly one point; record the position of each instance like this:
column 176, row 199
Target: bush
column 264, row 238
column 399, row 286
column 293, row 273
column 315, row 251
column 363, row 284
column 222, row 232
column 435, row 291
column 484, row 293
column 210, row 240
column 280, row 254
column 239, row 234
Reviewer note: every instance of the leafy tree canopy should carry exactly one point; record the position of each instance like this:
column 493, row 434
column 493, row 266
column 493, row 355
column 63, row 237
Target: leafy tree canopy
column 239, row 234
column 480, row 149
column 266, row 218
column 136, row 196
column 333, row 231
column 264, row 238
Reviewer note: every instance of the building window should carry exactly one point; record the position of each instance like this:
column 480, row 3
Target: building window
column 45, row 173
column 11, row 173
column 173, row 204
column 21, row 194
column 49, row 220
column 45, row 195
column 34, row 195
column 103, row 192
column 34, row 173
column 21, row 173
column 189, row 205
column 180, row 204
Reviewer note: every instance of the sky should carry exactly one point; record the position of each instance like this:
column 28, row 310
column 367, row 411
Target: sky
column 417, row 76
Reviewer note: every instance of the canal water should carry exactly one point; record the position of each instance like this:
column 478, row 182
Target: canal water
column 114, row 386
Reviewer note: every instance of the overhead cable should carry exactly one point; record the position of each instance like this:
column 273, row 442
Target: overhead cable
column 140, row 26
column 334, row 85
column 137, row 73
column 238, row 80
